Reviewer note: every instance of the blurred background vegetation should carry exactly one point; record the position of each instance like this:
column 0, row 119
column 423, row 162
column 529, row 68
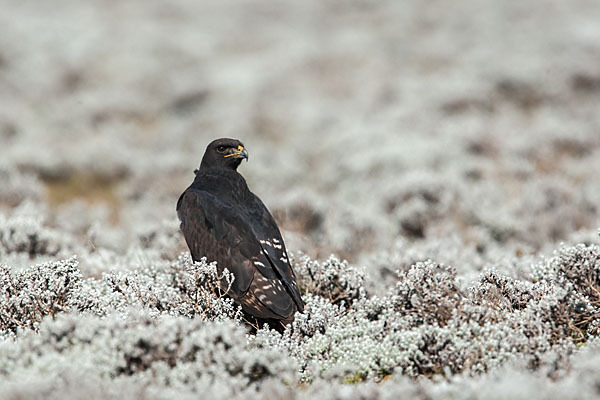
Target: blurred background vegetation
column 370, row 125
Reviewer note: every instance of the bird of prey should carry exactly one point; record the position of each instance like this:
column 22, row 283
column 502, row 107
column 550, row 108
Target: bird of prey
column 222, row 220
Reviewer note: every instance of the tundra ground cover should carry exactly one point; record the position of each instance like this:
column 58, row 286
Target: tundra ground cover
column 449, row 151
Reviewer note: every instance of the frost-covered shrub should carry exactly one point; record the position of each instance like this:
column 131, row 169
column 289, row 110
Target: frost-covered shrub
column 502, row 292
column 575, row 266
column 185, row 287
column 428, row 292
column 426, row 326
column 375, row 337
column 577, row 271
column 513, row 380
column 332, row 279
column 158, row 352
column 24, row 232
column 193, row 289
column 468, row 258
column 29, row 295
column 328, row 340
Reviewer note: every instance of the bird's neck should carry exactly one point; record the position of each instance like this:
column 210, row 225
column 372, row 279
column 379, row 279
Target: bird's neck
column 221, row 180
column 206, row 171
column 232, row 164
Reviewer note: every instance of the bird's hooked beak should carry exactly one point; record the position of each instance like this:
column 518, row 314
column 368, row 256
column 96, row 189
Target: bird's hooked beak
column 240, row 152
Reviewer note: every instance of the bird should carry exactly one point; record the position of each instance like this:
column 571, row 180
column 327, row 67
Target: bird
column 222, row 220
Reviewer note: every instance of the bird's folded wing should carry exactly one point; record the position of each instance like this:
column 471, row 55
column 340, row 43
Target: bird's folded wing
column 210, row 232
column 224, row 234
column 273, row 248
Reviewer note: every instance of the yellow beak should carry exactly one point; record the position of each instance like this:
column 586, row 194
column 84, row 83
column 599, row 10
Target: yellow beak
column 241, row 152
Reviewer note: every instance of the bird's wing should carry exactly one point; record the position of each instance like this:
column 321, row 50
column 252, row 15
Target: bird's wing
column 209, row 232
column 220, row 232
column 273, row 247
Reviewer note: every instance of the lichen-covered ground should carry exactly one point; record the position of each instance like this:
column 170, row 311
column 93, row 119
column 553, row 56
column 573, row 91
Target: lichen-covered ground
column 448, row 150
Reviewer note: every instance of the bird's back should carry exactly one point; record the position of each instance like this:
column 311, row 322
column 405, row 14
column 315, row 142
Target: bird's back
column 224, row 221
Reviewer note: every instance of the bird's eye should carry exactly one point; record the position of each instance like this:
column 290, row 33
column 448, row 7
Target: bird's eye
column 221, row 149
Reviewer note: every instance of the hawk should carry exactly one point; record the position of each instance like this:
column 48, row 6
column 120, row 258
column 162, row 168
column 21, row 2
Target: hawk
column 222, row 220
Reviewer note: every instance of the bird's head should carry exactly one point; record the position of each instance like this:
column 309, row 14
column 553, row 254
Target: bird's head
column 224, row 153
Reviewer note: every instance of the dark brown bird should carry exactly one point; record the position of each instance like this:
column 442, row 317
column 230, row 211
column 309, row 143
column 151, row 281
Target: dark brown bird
column 222, row 220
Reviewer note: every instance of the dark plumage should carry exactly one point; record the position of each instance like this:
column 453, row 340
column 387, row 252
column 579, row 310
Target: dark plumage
column 224, row 221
